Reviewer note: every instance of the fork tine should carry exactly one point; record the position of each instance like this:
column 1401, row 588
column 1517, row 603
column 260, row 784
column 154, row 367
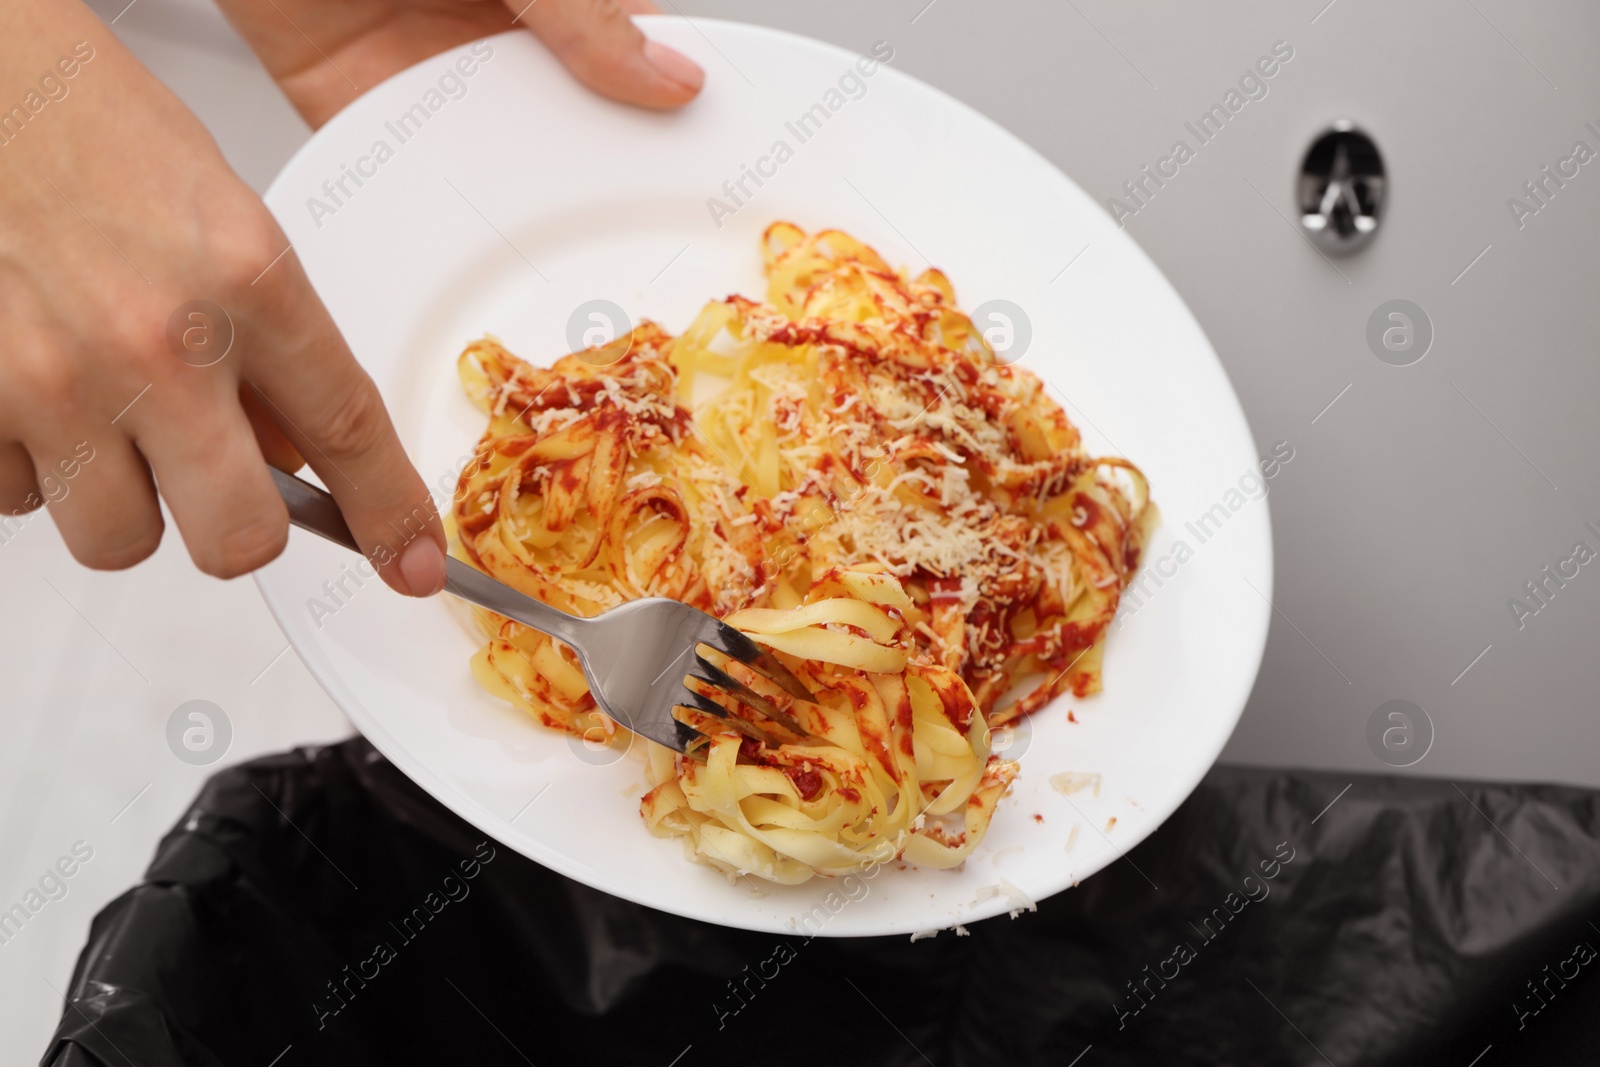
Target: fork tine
column 674, row 733
column 739, row 725
column 746, row 651
column 710, row 672
column 702, row 723
column 689, row 740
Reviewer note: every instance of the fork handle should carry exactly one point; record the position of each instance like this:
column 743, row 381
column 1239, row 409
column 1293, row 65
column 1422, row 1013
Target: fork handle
column 314, row 510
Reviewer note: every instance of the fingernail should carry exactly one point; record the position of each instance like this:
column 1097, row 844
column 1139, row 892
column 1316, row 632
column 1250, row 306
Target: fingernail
column 674, row 66
column 422, row 566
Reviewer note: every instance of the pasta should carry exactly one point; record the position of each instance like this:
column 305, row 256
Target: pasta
column 912, row 526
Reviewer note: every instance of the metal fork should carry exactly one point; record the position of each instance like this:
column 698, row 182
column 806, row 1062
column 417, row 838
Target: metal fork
column 638, row 657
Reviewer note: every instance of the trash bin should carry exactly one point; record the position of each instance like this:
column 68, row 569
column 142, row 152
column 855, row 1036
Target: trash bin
column 316, row 907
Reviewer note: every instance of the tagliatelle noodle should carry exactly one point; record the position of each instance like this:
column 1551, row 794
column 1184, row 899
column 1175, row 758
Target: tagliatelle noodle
column 911, row 525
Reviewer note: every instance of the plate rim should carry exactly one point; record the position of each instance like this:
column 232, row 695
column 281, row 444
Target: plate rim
column 485, row 820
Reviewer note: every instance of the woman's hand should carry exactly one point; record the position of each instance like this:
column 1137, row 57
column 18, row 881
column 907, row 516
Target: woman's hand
column 325, row 53
column 116, row 209
column 117, row 213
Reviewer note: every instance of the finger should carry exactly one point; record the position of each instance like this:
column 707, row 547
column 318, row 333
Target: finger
column 19, row 489
column 276, row 449
column 604, row 50
column 199, row 442
column 101, row 497
column 329, row 408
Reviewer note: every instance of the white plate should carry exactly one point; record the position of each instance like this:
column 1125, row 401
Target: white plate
column 526, row 196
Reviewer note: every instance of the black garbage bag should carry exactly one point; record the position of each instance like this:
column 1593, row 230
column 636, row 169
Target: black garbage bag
column 318, row 908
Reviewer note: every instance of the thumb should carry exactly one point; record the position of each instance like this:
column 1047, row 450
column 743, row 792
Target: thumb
column 604, row 50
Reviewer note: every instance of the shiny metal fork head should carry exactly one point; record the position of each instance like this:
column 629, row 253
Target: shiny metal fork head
column 638, row 656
